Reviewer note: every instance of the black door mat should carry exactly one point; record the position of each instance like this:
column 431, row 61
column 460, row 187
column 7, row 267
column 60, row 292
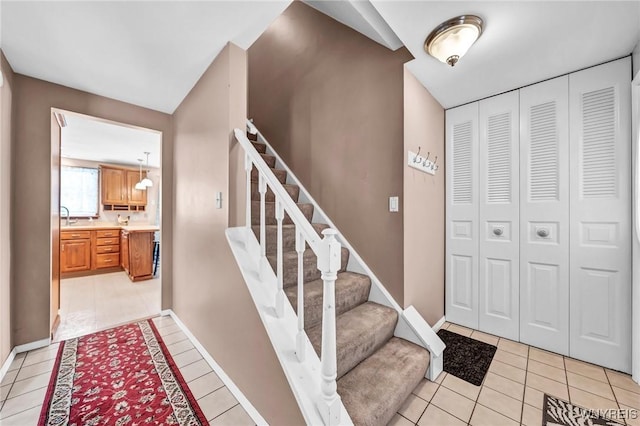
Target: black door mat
column 560, row 412
column 466, row 358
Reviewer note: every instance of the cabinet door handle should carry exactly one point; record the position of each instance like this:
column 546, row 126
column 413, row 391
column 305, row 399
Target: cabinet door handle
column 75, row 235
column 542, row 232
column 108, row 260
column 497, row 231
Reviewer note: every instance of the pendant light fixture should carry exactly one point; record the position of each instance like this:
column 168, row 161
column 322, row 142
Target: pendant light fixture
column 146, row 181
column 140, row 186
column 453, row 38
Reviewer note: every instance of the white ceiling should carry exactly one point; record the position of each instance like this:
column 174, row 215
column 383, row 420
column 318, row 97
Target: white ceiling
column 85, row 138
column 151, row 53
column 523, row 42
column 148, row 53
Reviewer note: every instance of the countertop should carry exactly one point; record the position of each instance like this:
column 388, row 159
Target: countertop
column 99, row 225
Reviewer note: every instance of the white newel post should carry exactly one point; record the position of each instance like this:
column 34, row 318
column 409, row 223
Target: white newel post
column 262, row 187
column 247, row 167
column 301, row 337
column 329, row 264
column 280, row 296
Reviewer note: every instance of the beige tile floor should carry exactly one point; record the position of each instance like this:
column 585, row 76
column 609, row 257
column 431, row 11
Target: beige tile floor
column 512, row 390
column 23, row 388
column 97, row 302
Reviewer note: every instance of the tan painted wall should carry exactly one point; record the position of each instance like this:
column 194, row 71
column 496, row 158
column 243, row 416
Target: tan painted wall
column 33, row 100
column 338, row 125
column 210, row 295
column 424, row 201
column 5, row 208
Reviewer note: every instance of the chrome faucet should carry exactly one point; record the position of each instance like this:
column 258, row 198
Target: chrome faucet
column 68, row 214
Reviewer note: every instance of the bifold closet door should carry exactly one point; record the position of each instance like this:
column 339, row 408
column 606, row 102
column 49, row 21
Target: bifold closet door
column 544, row 215
column 499, row 284
column 461, row 288
column 600, row 152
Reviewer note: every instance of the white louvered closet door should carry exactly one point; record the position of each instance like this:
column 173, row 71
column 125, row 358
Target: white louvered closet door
column 544, row 215
column 462, row 216
column 499, row 281
column 600, row 153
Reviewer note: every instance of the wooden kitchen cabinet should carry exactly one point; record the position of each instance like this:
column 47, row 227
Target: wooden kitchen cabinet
column 75, row 255
column 135, row 197
column 113, row 185
column 137, row 253
column 118, row 189
column 124, row 248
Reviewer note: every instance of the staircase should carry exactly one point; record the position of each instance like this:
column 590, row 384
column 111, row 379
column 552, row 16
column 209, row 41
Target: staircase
column 376, row 371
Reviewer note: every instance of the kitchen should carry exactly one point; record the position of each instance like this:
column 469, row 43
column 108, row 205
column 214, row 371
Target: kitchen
column 109, row 254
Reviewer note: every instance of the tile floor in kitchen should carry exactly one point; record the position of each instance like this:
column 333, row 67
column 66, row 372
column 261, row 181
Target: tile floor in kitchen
column 512, row 390
column 23, row 388
column 98, row 302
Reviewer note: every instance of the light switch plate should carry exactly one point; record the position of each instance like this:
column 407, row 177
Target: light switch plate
column 218, row 200
column 394, row 204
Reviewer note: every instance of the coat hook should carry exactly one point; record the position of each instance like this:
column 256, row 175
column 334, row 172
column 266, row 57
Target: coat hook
column 433, row 165
column 415, row 159
column 424, row 163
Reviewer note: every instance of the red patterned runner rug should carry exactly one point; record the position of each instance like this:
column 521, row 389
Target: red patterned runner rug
column 121, row 376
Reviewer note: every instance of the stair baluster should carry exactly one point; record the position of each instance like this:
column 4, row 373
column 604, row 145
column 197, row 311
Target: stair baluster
column 248, row 164
column 280, row 296
column 329, row 258
column 302, row 336
column 262, row 187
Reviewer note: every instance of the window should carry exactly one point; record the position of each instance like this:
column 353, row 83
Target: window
column 79, row 191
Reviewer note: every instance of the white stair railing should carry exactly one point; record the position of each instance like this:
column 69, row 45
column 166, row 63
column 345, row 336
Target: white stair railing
column 328, row 253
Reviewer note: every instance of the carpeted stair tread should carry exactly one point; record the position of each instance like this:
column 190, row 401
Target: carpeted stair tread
column 269, row 159
column 374, row 390
column 270, row 213
column 288, row 236
column 292, row 190
column 281, row 175
column 252, row 137
column 352, row 289
column 310, row 268
column 260, row 147
column 359, row 333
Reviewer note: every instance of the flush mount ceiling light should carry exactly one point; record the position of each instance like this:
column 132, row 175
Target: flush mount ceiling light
column 451, row 39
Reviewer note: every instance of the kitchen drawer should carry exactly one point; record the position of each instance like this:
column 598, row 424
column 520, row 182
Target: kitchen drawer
column 106, row 233
column 107, row 241
column 108, row 249
column 75, row 235
column 107, row 260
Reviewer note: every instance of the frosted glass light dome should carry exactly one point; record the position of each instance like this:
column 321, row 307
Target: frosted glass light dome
column 453, row 38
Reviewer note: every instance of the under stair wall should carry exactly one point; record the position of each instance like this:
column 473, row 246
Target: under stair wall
column 210, row 296
column 331, row 102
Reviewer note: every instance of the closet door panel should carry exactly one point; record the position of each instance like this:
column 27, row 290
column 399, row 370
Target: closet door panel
column 462, row 216
column 544, row 215
column 600, row 259
column 499, row 205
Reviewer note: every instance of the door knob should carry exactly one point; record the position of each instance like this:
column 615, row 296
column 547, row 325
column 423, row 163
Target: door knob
column 542, row 232
column 498, row 231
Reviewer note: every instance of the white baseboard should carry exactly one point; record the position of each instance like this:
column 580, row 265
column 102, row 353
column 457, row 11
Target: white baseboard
column 33, row 345
column 437, row 325
column 237, row 393
column 7, row 363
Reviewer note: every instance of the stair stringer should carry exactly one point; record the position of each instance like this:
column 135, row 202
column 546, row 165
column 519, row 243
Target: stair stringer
column 411, row 325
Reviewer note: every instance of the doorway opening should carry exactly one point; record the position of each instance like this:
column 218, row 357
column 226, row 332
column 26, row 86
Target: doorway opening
column 106, row 224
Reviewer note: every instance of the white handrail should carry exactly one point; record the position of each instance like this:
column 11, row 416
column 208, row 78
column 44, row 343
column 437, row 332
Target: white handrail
column 305, row 228
column 328, row 253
